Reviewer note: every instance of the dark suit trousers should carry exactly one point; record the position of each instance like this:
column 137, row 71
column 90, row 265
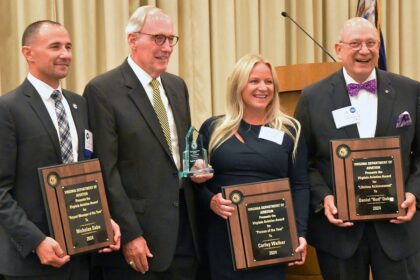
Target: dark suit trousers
column 369, row 255
column 181, row 268
column 76, row 269
column 184, row 264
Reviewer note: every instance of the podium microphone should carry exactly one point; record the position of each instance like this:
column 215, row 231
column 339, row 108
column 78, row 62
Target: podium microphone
column 286, row 15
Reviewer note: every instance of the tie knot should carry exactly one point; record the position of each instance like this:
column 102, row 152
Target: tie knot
column 155, row 84
column 56, row 95
column 354, row 89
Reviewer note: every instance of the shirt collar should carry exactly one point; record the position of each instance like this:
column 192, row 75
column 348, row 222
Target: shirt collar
column 43, row 89
column 142, row 75
column 350, row 80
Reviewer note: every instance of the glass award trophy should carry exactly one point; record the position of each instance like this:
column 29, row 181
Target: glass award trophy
column 194, row 157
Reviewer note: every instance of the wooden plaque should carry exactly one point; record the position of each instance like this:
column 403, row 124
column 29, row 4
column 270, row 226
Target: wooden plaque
column 368, row 178
column 76, row 206
column 262, row 230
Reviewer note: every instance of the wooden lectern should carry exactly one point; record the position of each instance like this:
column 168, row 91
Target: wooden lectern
column 292, row 80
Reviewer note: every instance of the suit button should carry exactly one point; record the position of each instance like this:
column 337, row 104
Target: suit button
column 176, row 203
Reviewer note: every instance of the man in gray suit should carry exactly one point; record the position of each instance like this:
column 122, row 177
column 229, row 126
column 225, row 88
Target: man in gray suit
column 140, row 116
column 387, row 105
column 31, row 137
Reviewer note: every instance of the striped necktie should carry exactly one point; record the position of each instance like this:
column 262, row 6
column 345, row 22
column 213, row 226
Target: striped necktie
column 63, row 128
column 161, row 112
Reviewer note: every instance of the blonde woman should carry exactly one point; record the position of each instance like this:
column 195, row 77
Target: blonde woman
column 240, row 153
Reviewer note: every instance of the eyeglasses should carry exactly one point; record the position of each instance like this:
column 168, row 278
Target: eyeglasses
column 160, row 39
column 356, row 45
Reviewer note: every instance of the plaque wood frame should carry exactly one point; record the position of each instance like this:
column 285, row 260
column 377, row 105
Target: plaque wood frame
column 54, row 180
column 238, row 224
column 343, row 153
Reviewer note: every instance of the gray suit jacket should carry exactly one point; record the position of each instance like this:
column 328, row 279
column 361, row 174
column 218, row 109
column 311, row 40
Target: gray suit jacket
column 140, row 175
column 28, row 140
column 396, row 94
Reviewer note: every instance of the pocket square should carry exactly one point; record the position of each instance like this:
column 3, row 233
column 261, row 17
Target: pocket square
column 404, row 119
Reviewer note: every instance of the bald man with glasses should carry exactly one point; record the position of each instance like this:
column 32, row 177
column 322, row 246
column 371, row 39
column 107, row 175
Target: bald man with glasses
column 140, row 116
column 384, row 104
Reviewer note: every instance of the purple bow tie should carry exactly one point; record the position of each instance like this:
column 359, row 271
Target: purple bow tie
column 354, row 89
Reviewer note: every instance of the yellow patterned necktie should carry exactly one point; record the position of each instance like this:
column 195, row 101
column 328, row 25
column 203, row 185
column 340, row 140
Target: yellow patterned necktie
column 161, row 112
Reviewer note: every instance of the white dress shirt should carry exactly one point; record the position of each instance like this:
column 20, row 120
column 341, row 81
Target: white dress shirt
column 366, row 105
column 45, row 92
column 145, row 80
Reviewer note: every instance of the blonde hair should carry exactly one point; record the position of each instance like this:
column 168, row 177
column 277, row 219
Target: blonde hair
column 225, row 127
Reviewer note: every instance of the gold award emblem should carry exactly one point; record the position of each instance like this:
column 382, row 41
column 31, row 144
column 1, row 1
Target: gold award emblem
column 236, row 197
column 53, row 179
column 343, row 151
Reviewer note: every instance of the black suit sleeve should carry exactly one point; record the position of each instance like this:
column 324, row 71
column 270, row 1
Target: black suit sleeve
column 103, row 124
column 413, row 182
column 24, row 234
column 319, row 188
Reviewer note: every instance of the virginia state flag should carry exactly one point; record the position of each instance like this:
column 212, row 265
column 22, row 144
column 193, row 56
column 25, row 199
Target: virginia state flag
column 370, row 10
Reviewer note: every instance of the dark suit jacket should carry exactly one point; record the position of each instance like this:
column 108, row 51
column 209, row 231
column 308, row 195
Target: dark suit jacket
column 28, row 140
column 140, row 175
column 396, row 94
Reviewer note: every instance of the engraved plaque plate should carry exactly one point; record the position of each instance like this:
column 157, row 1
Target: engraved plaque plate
column 269, row 228
column 374, row 180
column 85, row 214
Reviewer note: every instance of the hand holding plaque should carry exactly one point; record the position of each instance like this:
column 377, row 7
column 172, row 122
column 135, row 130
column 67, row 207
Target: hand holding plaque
column 194, row 157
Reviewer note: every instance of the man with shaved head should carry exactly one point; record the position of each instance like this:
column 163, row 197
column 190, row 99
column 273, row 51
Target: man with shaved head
column 384, row 104
column 140, row 116
column 41, row 124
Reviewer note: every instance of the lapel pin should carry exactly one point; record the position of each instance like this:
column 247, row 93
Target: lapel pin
column 386, row 91
column 75, row 106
